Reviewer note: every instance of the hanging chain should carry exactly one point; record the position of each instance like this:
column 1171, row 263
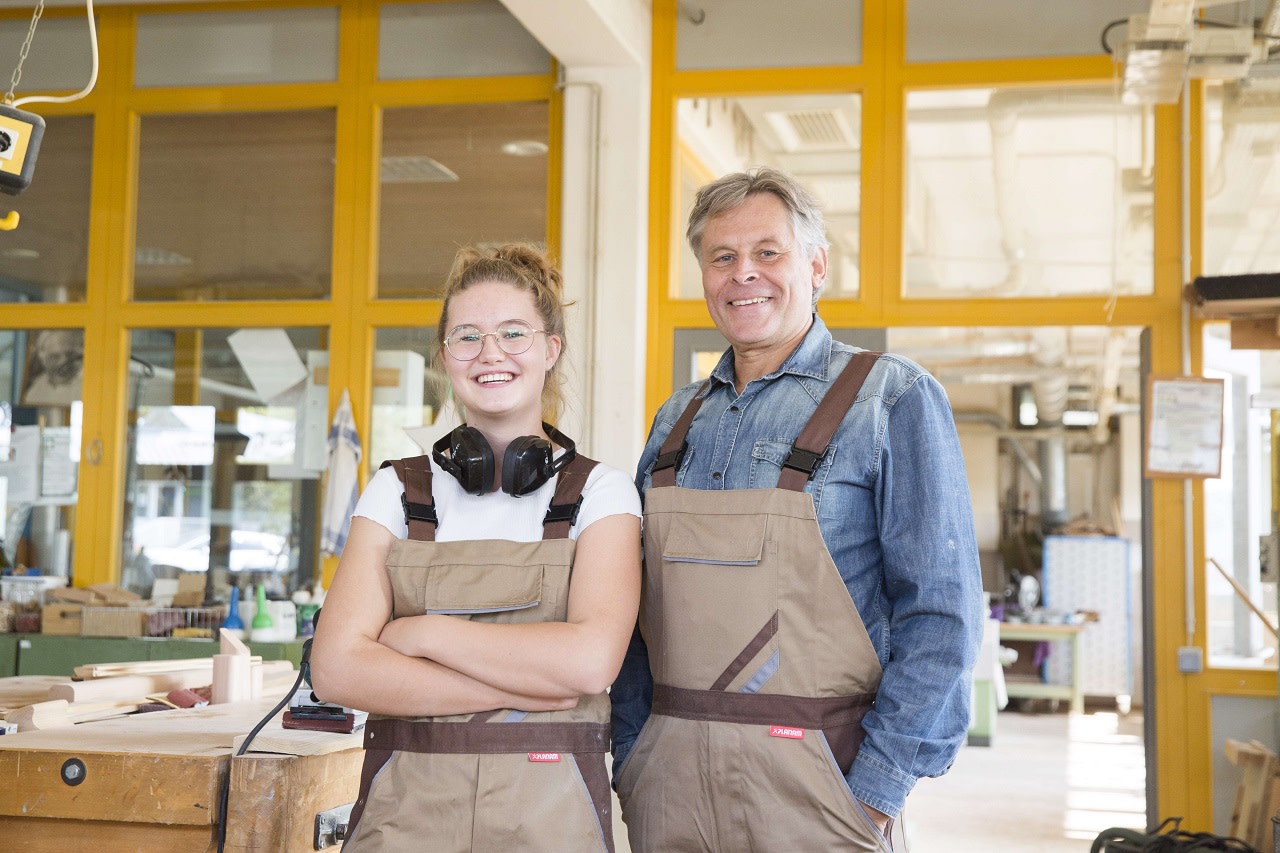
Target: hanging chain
column 22, row 56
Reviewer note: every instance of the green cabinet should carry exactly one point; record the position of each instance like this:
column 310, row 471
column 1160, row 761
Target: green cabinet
column 46, row 654
column 8, row 655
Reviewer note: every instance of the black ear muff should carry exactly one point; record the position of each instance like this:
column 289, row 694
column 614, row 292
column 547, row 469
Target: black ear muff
column 526, row 465
column 470, row 459
column 529, row 461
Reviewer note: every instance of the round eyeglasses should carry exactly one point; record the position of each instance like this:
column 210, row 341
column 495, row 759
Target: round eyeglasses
column 465, row 343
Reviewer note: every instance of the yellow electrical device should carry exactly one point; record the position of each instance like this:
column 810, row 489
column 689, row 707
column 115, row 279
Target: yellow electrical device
column 20, row 134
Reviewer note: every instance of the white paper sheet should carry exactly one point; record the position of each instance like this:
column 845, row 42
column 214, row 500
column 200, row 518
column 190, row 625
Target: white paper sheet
column 269, row 359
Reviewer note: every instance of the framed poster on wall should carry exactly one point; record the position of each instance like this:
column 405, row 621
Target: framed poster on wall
column 1184, row 427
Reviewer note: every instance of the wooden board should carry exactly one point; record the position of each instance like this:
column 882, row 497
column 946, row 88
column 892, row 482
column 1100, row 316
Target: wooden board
column 21, row 690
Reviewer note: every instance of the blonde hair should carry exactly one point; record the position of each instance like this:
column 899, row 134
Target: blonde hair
column 526, row 268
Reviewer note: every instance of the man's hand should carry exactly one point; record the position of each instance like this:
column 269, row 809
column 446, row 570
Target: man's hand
column 879, row 818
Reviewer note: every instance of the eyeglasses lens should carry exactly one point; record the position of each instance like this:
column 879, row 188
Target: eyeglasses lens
column 467, row 342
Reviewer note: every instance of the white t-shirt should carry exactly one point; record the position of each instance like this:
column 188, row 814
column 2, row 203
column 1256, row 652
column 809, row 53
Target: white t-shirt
column 496, row 515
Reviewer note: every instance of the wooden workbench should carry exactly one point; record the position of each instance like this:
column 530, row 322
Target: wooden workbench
column 151, row 782
column 1074, row 692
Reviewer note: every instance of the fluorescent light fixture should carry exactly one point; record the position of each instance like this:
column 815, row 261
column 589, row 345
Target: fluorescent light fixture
column 416, row 170
column 525, row 148
column 151, row 257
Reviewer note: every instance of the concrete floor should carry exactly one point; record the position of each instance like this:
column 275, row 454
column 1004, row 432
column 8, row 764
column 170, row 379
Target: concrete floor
column 1049, row 783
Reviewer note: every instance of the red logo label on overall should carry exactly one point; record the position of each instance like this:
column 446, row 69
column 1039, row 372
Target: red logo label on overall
column 544, row 756
column 786, row 731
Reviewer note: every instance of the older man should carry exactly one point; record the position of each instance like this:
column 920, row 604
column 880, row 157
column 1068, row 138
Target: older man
column 811, row 604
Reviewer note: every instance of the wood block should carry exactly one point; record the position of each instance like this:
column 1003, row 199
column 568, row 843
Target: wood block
column 21, row 690
column 232, row 679
column 230, row 644
column 51, row 714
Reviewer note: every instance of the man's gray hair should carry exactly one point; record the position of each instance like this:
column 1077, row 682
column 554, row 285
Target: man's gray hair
column 731, row 192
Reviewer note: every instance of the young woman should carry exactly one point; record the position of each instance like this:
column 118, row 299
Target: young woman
column 486, row 596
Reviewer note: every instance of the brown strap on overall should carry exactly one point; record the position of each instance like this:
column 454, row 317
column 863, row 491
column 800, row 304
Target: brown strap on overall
column 808, row 448
column 420, row 507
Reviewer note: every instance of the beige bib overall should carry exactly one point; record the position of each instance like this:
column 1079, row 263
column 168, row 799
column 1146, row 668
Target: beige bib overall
column 762, row 667
column 498, row 780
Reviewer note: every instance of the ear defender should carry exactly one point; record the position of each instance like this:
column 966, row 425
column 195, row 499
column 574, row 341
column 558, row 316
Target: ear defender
column 470, row 459
column 528, row 462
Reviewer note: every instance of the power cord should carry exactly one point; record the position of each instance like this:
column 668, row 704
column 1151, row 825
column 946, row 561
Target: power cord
column 304, row 672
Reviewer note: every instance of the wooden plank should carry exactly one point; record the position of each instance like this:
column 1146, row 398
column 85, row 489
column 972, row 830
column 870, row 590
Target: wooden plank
column 58, row 713
column 274, row 798
column 146, row 667
column 129, row 787
column 125, row 687
column 19, row 691
column 46, row 835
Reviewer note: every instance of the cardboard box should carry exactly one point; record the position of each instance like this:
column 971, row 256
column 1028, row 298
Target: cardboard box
column 190, row 590
column 62, row 619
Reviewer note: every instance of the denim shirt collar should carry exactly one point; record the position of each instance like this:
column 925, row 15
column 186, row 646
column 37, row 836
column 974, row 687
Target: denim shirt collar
column 812, row 358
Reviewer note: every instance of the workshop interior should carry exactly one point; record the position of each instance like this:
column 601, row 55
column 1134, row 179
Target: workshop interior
column 225, row 227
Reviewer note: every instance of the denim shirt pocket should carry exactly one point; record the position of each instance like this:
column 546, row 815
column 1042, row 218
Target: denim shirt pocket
column 766, row 466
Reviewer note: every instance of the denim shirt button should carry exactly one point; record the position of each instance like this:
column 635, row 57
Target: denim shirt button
column 715, row 475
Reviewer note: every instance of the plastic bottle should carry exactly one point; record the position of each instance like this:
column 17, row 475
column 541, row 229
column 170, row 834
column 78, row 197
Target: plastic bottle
column 233, row 622
column 262, row 619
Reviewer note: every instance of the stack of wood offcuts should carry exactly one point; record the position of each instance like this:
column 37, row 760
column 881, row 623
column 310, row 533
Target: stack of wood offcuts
column 103, row 691
column 1257, row 795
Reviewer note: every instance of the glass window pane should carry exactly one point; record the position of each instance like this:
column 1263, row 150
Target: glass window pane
column 41, row 374
column 412, row 406
column 226, row 48
column 817, row 138
column 1237, row 506
column 455, row 40
column 235, row 206
column 1029, row 192
column 453, row 175
column 45, row 259
column 60, row 59
column 1241, row 179
column 763, row 34
column 224, row 459
column 941, row 31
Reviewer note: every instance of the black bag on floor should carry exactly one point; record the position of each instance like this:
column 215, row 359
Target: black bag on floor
column 1166, row 838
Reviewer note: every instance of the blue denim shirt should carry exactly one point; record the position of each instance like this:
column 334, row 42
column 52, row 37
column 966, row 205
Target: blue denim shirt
column 893, row 508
